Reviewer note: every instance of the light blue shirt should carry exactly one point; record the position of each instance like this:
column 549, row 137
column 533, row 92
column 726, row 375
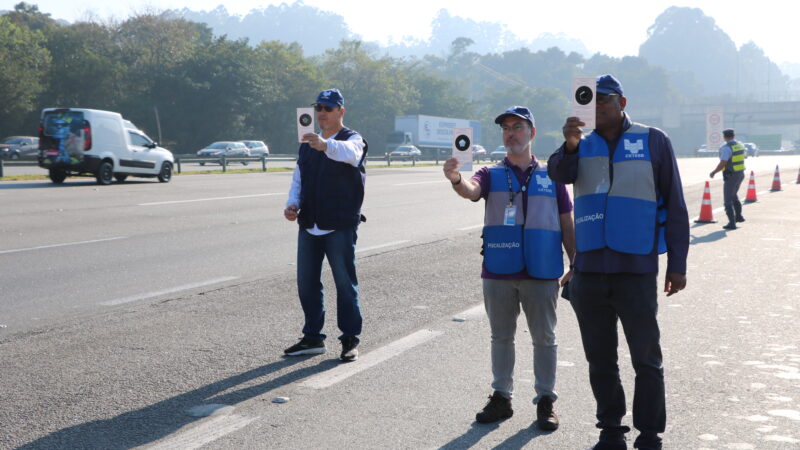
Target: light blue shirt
column 725, row 152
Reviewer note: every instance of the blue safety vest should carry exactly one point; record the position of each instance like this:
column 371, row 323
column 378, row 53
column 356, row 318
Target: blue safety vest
column 623, row 213
column 534, row 241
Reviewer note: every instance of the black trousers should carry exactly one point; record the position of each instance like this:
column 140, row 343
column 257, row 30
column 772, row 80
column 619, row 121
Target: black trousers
column 599, row 300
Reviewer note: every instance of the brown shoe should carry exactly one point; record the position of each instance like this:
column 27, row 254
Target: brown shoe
column 546, row 418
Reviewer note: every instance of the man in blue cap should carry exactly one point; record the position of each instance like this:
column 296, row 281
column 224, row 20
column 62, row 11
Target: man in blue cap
column 629, row 207
column 325, row 198
column 527, row 221
column 731, row 164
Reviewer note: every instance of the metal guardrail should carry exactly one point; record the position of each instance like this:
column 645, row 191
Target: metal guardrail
column 224, row 161
column 18, row 162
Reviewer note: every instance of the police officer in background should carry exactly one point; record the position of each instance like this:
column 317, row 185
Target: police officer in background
column 527, row 220
column 629, row 207
column 731, row 163
column 325, row 198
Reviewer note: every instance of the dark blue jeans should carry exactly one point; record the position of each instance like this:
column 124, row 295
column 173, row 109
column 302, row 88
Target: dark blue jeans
column 339, row 248
column 599, row 300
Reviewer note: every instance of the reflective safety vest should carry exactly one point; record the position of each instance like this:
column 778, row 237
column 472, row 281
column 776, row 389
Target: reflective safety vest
column 533, row 243
column 736, row 163
column 621, row 212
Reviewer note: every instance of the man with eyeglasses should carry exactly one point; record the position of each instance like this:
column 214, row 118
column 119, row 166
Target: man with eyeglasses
column 325, row 198
column 528, row 219
column 629, row 207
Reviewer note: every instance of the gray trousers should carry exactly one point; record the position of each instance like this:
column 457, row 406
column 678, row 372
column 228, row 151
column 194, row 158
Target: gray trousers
column 502, row 299
column 730, row 189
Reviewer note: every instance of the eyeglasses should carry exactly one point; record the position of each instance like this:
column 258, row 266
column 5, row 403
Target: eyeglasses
column 319, row 108
column 603, row 99
column 516, row 127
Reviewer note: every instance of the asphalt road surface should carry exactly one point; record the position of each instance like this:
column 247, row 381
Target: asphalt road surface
column 154, row 315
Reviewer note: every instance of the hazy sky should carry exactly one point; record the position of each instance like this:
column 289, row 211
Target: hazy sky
column 615, row 28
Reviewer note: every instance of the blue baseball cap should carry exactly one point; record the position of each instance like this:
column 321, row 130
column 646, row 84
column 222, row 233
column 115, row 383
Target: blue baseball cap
column 330, row 97
column 516, row 111
column 607, row 84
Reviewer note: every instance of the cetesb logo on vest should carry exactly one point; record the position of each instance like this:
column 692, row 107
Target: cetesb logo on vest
column 544, row 183
column 633, row 148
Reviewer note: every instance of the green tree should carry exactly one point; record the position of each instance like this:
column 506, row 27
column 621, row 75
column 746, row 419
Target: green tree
column 29, row 16
column 152, row 49
column 23, row 59
column 86, row 70
column 289, row 81
column 375, row 89
column 211, row 95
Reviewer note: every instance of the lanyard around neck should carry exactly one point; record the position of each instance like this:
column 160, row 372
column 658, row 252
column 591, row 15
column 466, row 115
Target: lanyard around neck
column 523, row 188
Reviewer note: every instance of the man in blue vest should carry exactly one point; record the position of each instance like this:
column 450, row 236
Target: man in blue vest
column 527, row 220
column 325, row 198
column 629, row 207
column 731, row 163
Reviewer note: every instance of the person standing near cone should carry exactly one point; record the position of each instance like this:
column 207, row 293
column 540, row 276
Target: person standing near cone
column 629, row 208
column 731, row 163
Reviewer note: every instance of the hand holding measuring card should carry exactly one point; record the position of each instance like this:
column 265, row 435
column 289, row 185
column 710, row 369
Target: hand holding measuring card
column 583, row 100
column 462, row 147
column 305, row 122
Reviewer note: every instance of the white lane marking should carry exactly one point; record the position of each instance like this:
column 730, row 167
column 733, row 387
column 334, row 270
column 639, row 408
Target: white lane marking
column 134, row 298
column 472, row 227
column 475, row 311
column 208, row 431
column 61, row 245
column 367, row 360
column 375, row 247
column 173, row 202
column 419, row 182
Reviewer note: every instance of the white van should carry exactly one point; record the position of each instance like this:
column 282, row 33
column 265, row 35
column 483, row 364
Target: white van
column 89, row 142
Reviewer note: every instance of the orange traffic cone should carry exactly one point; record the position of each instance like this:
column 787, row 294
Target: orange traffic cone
column 751, row 189
column 706, row 216
column 776, row 180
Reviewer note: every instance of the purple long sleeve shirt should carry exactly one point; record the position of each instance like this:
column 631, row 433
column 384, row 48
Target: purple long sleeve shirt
column 563, row 168
column 563, row 201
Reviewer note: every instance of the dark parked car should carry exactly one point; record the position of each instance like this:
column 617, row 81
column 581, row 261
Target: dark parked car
column 15, row 147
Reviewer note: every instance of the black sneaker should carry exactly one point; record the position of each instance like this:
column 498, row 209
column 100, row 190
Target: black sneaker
column 610, row 445
column 546, row 418
column 306, row 346
column 498, row 408
column 349, row 349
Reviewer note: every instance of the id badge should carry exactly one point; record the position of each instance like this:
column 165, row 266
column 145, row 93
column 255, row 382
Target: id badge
column 510, row 217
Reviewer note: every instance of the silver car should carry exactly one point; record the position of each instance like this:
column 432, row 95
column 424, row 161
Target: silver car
column 228, row 149
column 405, row 152
column 257, row 148
column 498, row 154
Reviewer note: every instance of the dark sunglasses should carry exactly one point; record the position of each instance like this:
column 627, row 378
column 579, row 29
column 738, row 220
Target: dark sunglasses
column 319, row 108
